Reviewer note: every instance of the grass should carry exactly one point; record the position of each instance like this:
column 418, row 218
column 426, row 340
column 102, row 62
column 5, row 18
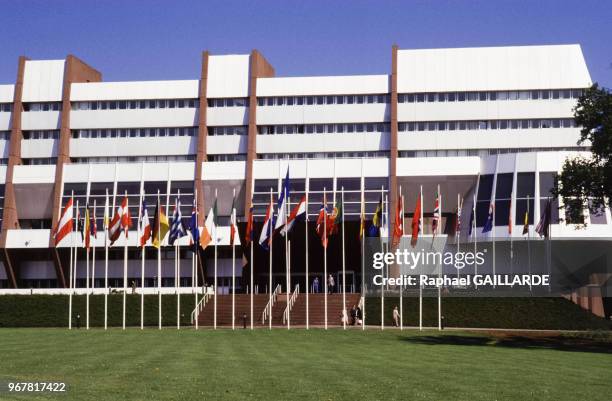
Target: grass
column 305, row 365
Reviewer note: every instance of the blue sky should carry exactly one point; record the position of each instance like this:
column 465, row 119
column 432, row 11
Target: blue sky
column 138, row 40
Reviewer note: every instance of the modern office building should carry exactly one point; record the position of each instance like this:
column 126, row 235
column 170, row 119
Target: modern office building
column 497, row 121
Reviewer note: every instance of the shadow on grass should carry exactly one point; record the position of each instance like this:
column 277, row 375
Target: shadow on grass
column 560, row 343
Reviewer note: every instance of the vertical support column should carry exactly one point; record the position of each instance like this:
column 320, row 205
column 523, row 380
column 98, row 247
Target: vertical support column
column 9, row 218
column 75, row 70
column 201, row 152
column 258, row 68
column 393, row 188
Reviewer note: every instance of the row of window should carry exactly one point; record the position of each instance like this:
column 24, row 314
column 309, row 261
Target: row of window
column 487, row 124
column 136, row 104
column 227, row 157
column 235, row 130
column 321, row 100
column 488, row 96
column 5, row 135
column 323, row 155
column 228, row 102
column 41, row 134
column 323, row 128
column 38, row 161
column 135, row 132
column 132, row 159
column 6, row 107
column 43, row 106
column 482, row 152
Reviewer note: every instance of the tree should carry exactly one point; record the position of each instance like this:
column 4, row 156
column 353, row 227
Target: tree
column 587, row 182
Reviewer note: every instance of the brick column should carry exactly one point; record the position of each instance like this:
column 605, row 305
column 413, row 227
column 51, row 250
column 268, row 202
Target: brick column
column 75, row 70
column 201, row 153
column 393, row 187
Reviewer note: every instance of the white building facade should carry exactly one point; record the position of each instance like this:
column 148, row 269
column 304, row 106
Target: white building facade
column 494, row 122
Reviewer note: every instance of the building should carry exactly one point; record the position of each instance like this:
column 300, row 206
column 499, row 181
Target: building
column 469, row 119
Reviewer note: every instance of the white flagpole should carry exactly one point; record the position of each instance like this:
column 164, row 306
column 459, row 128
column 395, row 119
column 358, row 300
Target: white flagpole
column 362, row 233
column 306, row 253
column 270, row 231
column 380, row 234
column 252, row 267
column 421, row 226
column 439, row 229
column 93, row 259
column 214, row 233
column 344, row 313
column 233, row 219
column 287, row 277
column 70, row 287
column 87, row 266
column 458, row 233
column 125, row 247
column 474, row 228
column 194, row 263
column 159, row 278
column 106, row 220
column 177, row 268
column 142, row 263
column 76, row 248
column 325, row 253
column 401, row 297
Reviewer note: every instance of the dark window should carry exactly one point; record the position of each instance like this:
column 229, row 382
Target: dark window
column 503, row 188
column 502, row 212
column 485, row 186
column 525, row 185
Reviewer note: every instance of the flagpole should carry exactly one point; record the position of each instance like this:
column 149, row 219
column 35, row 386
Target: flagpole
column 71, row 288
column 458, row 228
column 420, row 285
column 106, row 218
column 194, row 261
column 306, row 189
column 86, row 233
column 142, row 262
column 233, row 219
column 252, row 267
column 344, row 314
column 362, row 233
column 93, row 260
column 177, row 268
column 159, row 278
column 325, row 253
column 380, row 235
column 528, row 243
column 474, row 230
column 270, row 228
column 287, row 277
column 214, row 230
column 401, row 297
column 125, row 246
column 438, row 229
column 74, row 276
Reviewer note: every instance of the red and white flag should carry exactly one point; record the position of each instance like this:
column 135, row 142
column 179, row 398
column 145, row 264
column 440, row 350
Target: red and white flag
column 144, row 225
column 119, row 222
column 298, row 213
column 65, row 224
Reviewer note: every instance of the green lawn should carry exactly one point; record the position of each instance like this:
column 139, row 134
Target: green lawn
column 300, row 364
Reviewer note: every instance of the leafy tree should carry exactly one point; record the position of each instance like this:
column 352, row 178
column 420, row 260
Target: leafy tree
column 583, row 179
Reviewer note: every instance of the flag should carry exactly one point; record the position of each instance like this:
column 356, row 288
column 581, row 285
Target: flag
column 118, row 221
column 416, row 223
column 322, row 221
column 94, row 223
column 65, row 224
column 281, row 205
column 126, row 219
column 249, row 228
column 297, row 213
column 458, row 218
column 489, row 223
column 79, row 223
column 87, row 228
column 436, row 216
column 210, row 227
column 526, row 220
column 374, row 230
column 543, row 226
column 334, row 221
column 106, row 218
column 362, row 218
column 144, row 225
column 194, row 230
column 510, row 219
column 265, row 238
column 177, row 229
column 233, row 223
column 398, row 226
column 160, row 226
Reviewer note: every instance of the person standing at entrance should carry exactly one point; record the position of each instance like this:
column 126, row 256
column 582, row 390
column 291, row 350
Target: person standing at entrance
column 315, row 285
column 330, row 284
column 396, row 317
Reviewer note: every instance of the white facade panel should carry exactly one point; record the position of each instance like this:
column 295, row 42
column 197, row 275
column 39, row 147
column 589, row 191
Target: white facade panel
column 226, row 144
column 330, row 85
column 323, row 114
column 228, row 76
column 231, row 170
column 6, row 93
column 490, row 110
column 27, row 238
column 226, row 116
column 4, row 148
column 299, row 143
column 152, row 118
column 5, row 121
column 80, row 173
column 488, row 139
column 39, row 148
column 43, row 81
column 492, row 68
column 43, row 174
column 444, row 166
column 40, row 120
column 3, row 174
column 176, row 145
column 142, row 90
